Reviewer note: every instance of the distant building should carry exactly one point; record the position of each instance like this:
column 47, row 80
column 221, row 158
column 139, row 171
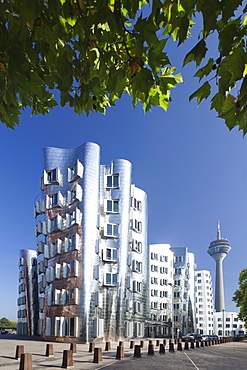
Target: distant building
column 204, row 305
column 160, row 290
column 183, row 291
column 228, row 324
column 91, row 229
column 27, row 301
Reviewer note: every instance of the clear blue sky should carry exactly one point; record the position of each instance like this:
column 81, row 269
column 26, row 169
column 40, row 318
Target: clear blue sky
column 193, row 169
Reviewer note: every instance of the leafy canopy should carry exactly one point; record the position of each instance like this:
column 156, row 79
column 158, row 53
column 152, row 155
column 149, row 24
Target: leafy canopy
column 240, row 296
column 93, row 51
column 7, row 324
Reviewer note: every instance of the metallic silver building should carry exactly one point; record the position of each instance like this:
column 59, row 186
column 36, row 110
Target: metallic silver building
column 27, row 301
column 91, row 229
column 218, row 250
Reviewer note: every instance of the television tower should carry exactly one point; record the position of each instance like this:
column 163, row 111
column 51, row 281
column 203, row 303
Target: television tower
column 218, row 250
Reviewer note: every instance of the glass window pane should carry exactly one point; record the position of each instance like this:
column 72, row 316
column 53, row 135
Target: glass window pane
column 109, row 229
column 115, row 205
column 115, row 230
column 115, row 181
column 114, row 279
column 109, row 181
column 109, row 206
column 108, row 278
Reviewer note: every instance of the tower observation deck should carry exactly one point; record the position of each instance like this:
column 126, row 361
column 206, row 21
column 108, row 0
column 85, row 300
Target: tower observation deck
column 218, row 250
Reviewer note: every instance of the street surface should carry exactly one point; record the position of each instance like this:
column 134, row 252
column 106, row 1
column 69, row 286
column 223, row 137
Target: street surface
column 225, row 356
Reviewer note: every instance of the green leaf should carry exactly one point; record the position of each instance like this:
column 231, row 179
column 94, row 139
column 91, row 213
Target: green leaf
column 196, row 54
column 202, row 93
column 204, row 71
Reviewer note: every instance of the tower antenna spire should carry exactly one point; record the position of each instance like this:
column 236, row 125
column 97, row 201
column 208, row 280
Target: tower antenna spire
column 218, row 231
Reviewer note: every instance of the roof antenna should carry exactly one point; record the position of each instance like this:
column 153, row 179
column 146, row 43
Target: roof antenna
column 218, row 231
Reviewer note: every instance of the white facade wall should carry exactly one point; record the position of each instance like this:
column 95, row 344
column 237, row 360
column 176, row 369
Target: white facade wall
column 228, row 324
column 204, row 303
column 160, row 289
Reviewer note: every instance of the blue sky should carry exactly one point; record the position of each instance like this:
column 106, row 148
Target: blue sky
column 193, row 169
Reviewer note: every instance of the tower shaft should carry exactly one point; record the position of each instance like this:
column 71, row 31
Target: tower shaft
column 219, row 287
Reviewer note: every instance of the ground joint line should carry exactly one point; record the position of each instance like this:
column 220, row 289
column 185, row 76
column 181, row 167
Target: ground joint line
column 191, row 361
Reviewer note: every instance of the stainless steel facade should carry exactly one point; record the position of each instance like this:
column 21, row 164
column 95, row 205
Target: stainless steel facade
column 91, row 228
column 27, row 301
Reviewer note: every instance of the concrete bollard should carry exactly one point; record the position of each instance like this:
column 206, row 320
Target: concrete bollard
column 206, row 343
column 150, row 349
column 197, row 344
column 179, row 347
column 202, row 343
column 67, row 359
column 26, row 361
column 18, row 352
column 142, row 343
column 91, row 347
column 97, row 357
column 150, row 342
column 192, row 345
column 162, row 349
column 157, row 343
column 107, row 346
column 132, row 344
column 186, row 346
column 121, row 343
column 171, row 347
column 137, row 351
column 49, row 350
column 164, row 342
column 73, row 347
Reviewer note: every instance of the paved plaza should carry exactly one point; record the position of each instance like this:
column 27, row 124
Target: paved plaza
column 231, row 355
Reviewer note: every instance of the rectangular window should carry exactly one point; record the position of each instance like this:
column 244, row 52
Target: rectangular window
column 112, row 181
column 75, row 172
column 163, row 270
column 54, row 200
column 176, row 306
column 73, row 218
column 136, row 266
column 69, row 326
column 178, row 259
column 70, row 269
column 71, row 243
column 75, row 194
column 55, row 224
column 112, row 206
column 52, row 177
column 137, row 226
column 177, row 271
column 111, row 279
column 136, row 246
column 137, row 286
column 112, row 230
column 137, row 205
column 110, row 255
column 137, row 307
